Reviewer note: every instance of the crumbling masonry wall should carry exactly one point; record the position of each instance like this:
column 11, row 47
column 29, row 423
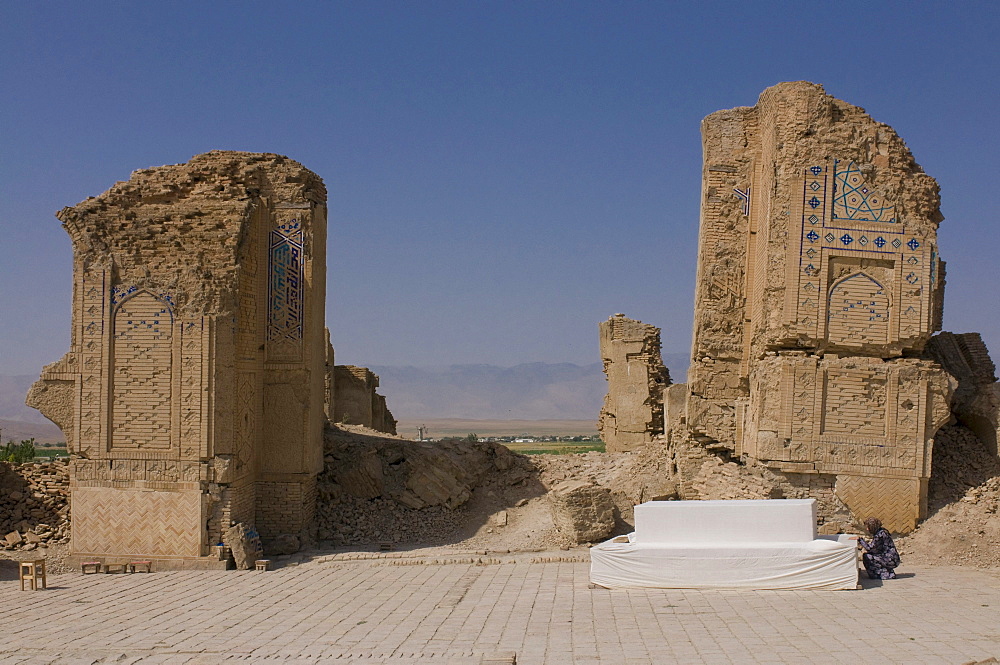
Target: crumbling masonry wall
column 192, row 394
column 976, row 403
column 355, row 401
column 632, row 414
column 819, row 284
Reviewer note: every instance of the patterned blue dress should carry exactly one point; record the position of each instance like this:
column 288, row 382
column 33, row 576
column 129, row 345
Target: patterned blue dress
column 880, row 558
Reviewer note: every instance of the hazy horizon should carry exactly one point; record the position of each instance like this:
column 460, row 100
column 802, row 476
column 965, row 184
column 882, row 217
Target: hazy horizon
column 527, row 391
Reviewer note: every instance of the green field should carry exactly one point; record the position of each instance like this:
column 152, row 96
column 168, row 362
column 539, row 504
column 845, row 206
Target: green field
column 51, row 452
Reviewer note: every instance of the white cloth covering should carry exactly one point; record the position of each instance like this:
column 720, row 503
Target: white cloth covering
column 749, row 555
column 734, row 522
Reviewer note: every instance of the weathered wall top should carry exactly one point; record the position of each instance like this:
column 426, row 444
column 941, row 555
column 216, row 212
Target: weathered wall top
column 799, row 191
column 185, row 223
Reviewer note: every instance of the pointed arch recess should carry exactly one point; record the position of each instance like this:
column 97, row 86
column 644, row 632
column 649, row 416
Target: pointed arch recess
column 141, row 372
column 858, row 309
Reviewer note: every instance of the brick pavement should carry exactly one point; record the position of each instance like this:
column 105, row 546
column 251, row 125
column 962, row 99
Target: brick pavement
column 450, row 610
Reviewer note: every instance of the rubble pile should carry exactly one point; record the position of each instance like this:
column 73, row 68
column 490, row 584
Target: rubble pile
column 34, row 505
column 377, row 488
column 964, row 496
column 481, row 496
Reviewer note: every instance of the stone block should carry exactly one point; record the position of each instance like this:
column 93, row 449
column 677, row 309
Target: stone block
column 244, row 543
column 583, row 511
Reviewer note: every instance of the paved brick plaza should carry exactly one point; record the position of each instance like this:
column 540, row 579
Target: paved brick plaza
column 441, row 608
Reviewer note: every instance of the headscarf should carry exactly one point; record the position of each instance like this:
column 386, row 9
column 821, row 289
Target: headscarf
column 873, row 524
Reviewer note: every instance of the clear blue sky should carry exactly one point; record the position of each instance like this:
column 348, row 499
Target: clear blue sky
column 502, row 175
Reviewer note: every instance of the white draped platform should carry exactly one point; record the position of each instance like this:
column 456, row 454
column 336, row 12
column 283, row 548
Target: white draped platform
column 765, row 544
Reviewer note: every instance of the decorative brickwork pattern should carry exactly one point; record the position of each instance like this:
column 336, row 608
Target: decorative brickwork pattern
column 818, row 258
column 857, row 416
column 895, row 501
column 840, row 247
column 855, row 199
column 142, row 366
column 246, row 419
column 196, row 294
column 858, row 311
column 854, row 403
column 92, row 409
column 132, row 522
column 165, row 474
column 192, row 403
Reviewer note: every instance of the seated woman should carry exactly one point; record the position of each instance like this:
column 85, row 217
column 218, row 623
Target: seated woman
column 880, row 557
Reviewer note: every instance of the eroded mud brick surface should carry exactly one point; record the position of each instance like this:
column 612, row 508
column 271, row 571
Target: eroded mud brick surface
column 819, row 284
column 632, row 414
column 193, row 392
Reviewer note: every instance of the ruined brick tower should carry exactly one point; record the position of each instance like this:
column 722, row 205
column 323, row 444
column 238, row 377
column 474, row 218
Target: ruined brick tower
column 819, row 283
column 192, row 394
column 632, row 414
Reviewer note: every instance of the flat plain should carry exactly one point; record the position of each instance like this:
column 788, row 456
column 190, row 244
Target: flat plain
column 445, row 427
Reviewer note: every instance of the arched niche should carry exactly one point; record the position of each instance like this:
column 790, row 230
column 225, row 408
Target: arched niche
column 858, row 311
column 141, row 372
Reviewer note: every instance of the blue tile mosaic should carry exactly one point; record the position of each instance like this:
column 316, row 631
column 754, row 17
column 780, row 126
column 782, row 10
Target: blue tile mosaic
column 284, row 287
column 853, row 199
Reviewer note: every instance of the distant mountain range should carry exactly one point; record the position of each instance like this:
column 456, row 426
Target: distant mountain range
column 532, row 391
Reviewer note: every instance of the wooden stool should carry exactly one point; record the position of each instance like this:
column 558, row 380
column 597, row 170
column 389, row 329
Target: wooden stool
column 114, row 568
column 262, row 564
column 33, row 571
column 134, row 566
column 94, row 566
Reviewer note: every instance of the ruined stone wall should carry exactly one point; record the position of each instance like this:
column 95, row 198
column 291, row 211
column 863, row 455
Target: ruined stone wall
column 196, row 365
column 329, row 380
column 633, row 407
column 285, row 508
column 355, row 401
column 818, row 283
column 382, row 420
column 976, row 403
